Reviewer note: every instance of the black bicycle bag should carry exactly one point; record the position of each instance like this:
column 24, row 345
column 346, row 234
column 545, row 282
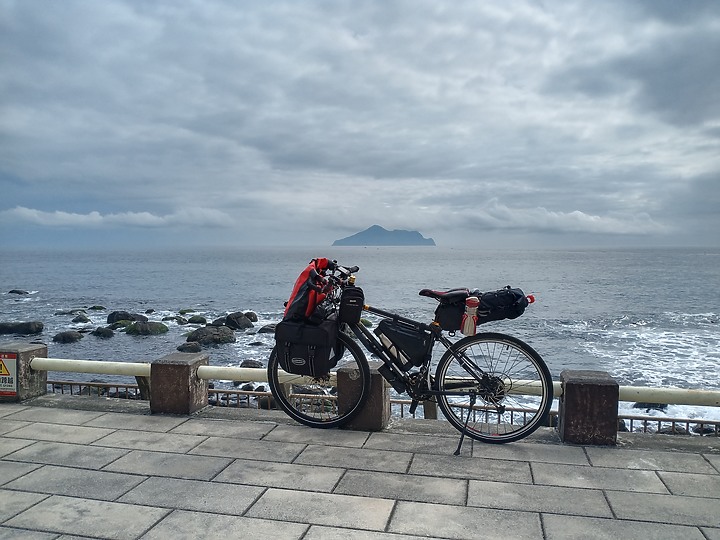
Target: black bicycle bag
column 351, row 305
column 449, row 315
column 507, row 303
column 408, row 345
column 307, row 349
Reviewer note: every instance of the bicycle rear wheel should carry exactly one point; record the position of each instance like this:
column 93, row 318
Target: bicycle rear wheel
column 316, row 402
column 499, row 390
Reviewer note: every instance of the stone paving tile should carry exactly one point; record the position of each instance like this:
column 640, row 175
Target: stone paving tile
column 98, row 519
column 8, row 446
column 323, row 509
column 412, row 443
column 181, row 525
column 88, row 484
column 281, row 475
column 140, row 422
column 649, row 460
column 588, row 528
column 49, row 415
column 714, row 460
column 59, row 433
column 69, row 455
column 7, row 533
column 147, row 440
column 249, row 449
column 11, row 408
column 318, row 532
column 535, row 452
column 711, row 534
column 355, row 458
column 308, row 435
column 7, row 426
column 597, row 478
column 469, row 467
column 532, row 498
column 170, row 465
column 194, row 495
column 405, row 487
column 10, row 470
column 692, row 485
column 665, row 508
column 462, row 523
column 14, row 502
column 224, row 428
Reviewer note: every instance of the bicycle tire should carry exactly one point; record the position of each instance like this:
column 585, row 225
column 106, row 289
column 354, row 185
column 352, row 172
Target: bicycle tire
column 315, row 402
column 514, row 398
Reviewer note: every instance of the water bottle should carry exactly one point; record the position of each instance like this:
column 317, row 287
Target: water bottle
column 469, row 318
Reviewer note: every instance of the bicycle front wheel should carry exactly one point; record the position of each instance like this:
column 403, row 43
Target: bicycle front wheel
column 316, row 402
column 494, row 387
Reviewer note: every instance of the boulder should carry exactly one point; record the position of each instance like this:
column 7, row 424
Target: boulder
column 116, row 316
column 252, row 364
column 67, row 337
column 238, row 321
column 212, row 335
column 81, row 318
column 103, row 332
column 144, row 328
column 197, row 319
column 23, row 328
column 18, row 291
column 252, row 316
column 177, row 318
column 267, row 329
column 190, row 347
column 97, row 308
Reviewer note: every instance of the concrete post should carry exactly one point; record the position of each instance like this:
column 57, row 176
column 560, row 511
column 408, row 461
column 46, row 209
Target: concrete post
column 375, row 413
column 175, row 387
column 588, row 408
column 18, row 381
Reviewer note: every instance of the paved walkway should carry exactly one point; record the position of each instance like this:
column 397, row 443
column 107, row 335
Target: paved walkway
column 74, row 467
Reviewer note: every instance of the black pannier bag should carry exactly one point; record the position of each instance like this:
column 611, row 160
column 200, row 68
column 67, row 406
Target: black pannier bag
column 307, row 349
column 507, row 303
column 351, row 305
column 408, row 344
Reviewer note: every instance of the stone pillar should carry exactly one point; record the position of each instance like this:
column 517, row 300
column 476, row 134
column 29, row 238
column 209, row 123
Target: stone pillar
column 588, row 407
column 175, row 387
column 18, row 381
column 375, row 413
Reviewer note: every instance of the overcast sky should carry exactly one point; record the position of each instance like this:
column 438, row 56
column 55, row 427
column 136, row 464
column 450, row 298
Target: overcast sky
column 521, row 123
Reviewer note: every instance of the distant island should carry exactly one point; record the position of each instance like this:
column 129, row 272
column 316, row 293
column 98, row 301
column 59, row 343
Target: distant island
column 378, row 236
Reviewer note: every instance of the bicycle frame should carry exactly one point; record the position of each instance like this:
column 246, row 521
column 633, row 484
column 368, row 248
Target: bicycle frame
column 410, row 384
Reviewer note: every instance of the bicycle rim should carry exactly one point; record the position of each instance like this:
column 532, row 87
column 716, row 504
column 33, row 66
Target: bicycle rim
column 317, row 402
column 511, row 400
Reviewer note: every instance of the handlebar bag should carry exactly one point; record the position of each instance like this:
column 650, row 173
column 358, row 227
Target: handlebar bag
column 306, row 349
column 351, row 305
column 408, row 345
column 507, row 303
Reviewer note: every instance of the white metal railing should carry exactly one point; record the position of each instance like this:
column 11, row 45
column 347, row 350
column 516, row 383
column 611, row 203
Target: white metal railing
column 670, row 396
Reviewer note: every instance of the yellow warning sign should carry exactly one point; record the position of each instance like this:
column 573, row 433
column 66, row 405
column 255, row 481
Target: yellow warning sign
column 4, row 370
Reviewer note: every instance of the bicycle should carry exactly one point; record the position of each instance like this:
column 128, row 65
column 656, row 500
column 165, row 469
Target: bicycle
column 490, row 386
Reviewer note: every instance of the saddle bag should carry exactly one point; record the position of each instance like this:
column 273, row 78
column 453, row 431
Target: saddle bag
column 351, row 305
column 408, row 345
column 307, row 349
column 507, row 303
column 449, row 315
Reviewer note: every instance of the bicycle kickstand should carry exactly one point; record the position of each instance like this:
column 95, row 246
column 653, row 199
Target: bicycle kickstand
column 473, row 398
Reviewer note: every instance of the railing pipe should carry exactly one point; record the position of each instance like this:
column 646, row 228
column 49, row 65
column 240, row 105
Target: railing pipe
column 131, row 369
column 670, row 396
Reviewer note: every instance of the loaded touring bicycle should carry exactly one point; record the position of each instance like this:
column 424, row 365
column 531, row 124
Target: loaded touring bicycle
column 492, row 387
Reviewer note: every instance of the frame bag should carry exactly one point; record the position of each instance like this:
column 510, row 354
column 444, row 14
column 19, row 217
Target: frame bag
column 408, row 345
column 306, row 349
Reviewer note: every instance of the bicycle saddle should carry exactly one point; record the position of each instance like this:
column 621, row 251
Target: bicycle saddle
column 451, row 295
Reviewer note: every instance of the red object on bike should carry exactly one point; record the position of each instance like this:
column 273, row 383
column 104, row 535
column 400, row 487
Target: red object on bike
column 530, row 298
column 308, row 292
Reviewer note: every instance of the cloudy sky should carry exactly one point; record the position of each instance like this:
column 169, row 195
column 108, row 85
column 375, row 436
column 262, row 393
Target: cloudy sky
column 211, row 122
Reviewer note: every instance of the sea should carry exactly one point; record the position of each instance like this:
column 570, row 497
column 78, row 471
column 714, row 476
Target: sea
column 649, row 317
